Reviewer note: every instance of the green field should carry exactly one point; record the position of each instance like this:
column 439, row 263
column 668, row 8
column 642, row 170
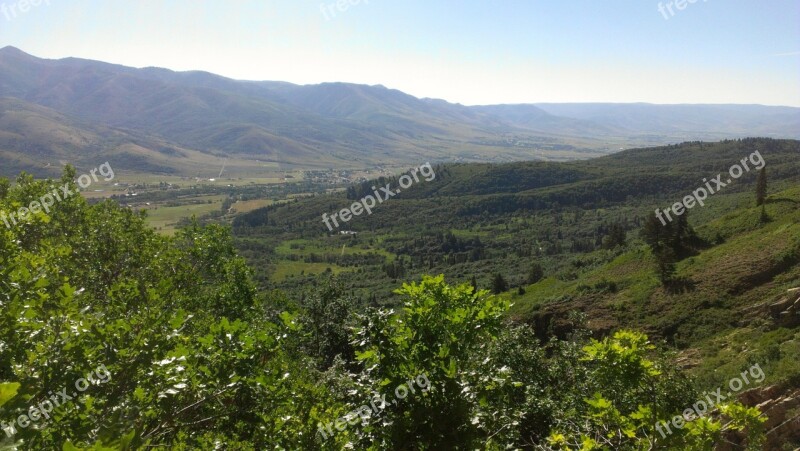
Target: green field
column 164, row 219
column 286, row 269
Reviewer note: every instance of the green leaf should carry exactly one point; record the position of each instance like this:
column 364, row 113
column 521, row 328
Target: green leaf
column 8, row 391
column 365, row 355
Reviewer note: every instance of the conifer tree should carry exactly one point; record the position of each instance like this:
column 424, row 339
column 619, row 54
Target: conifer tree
column 761, row 187
column 499, row 284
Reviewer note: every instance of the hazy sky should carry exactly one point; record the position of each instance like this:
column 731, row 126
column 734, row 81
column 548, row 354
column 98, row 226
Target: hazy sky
column 467, row 51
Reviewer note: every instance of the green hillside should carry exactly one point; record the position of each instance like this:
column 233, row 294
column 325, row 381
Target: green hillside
column 477, row 220
column 728, row 288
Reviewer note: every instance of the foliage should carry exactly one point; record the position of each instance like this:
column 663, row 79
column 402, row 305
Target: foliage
column 176, row 322
column 632, row 396
column 535, row 274
column 327, row 316
column 616, row 236
column 437, row 334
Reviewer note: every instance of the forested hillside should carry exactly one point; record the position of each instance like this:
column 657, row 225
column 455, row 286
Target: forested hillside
column 478, row 220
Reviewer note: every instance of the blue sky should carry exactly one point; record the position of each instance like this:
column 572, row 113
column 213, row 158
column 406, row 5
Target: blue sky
column 467, row 51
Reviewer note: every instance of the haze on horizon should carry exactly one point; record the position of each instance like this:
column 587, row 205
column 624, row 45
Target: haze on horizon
column 472, row 53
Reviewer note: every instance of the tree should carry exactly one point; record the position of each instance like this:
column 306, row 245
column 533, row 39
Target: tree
column 654, row 233
column 499, row 284
column 327, row 315
column 682, row 236
column 535, row 274
column 662, row 240
column 616, row 236
column 438, row 335
column 188, row 357
column 665, row 261
column 669, row 242
column 761, row 187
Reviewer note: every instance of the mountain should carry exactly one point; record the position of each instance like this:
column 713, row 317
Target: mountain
column 204, row 119
column 532, row 117
column 40, row 140
column 760, row 120
column 275, row 122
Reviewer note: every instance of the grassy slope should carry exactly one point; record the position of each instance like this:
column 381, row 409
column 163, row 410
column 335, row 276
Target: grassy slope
column 720, row 318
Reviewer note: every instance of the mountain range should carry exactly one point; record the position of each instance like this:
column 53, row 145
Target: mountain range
column 155, row 120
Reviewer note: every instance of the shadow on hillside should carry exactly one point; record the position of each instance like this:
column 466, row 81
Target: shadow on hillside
column 680, row 285
column 782, row 199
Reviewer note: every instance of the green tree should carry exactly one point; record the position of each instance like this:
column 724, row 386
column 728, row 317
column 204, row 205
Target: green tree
column 437, row 335
column 655, row 233
column 193, row 360
column 616, row 236
column 499, row 284
column 669, row 242
column 761, row 187
column 327, row 316
column 535, row 273
column 683, row 238
column 662, row 240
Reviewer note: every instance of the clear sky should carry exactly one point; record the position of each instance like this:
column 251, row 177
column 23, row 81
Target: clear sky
column 467, row 51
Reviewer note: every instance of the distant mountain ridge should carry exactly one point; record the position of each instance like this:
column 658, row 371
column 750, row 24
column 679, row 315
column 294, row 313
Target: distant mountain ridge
column 644, row 117
column 199, row 115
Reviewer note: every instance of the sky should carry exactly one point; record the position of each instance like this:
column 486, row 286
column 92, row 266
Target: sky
column 467, row 51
